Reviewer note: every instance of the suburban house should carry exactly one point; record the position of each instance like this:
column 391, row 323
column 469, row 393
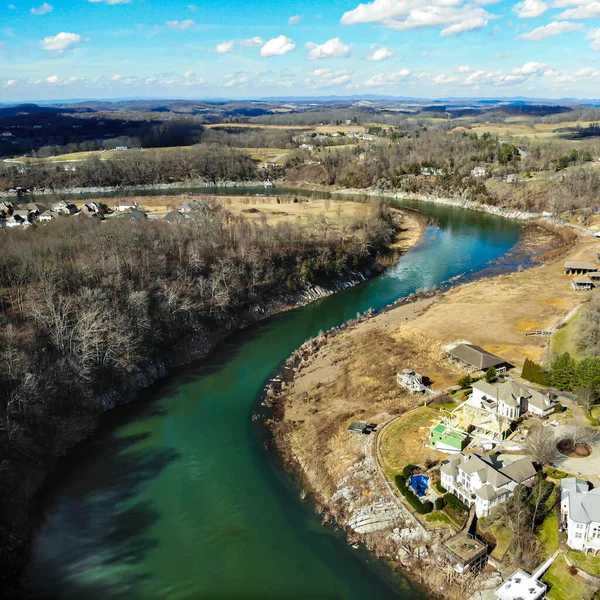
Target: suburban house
column 483, row 480
column 411, row 381
column 474, row 357
column 446, row 439
column 521, row 586
column 45, row 216
column 510, row 399
column 579, row 267
column 465, row 553
column 135, row 215
column 65, row 208
column 124, row 206
column 580, row 514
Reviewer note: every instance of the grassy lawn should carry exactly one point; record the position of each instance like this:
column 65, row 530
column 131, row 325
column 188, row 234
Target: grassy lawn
column 548, row 533
column 562, row 585
column 564, row 339
column 589, row 564
column 403, row 442
column 437, row 519
column 503, row 539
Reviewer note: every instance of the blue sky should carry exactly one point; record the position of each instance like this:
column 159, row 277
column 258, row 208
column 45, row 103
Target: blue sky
column 249, row 49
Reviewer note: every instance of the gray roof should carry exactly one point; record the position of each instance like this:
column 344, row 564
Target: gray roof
column 486, row 492
column 580, row 265
column 497, row 472
column 584, row 505
column 511, row 393
column 450, row 466
column 476, row 356
column 583, row 280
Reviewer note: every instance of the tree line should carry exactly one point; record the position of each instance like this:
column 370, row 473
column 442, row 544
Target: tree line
column 85, row 306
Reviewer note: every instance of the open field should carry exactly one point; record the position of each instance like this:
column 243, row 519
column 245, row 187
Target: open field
column 257, row 207
column 588, row 563
column 404, row 441
column 517, row 127
column 564, row 339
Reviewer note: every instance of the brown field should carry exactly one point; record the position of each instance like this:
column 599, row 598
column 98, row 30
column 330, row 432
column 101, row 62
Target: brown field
column 522, row 126
column 258, row 207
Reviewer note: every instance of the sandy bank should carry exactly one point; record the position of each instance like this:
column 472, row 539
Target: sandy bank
column 350, row 376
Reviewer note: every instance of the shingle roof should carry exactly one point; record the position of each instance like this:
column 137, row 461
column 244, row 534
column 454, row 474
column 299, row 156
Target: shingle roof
column 496, row 472
column 580, row 265
column 476, row 356
column 584, row 505
column 450, row 466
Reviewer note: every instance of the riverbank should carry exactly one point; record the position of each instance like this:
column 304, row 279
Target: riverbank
column 349, row 375
column 195, row 346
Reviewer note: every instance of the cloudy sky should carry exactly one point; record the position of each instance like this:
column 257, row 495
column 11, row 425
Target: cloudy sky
column 63, row 49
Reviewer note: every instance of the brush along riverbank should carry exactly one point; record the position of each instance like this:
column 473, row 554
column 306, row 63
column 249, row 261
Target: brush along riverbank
column 349, row 375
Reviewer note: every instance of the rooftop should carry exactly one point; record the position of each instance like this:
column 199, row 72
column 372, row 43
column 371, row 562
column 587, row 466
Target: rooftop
column 476, row 356
column 464, row 547
column 521, row 586
column 580, row 265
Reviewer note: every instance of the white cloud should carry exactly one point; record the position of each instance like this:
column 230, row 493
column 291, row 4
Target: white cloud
column 594, row 35
column 463, row 69
column 453, row 16
column 192, row 8
column 12, row 7
column 579, row 9
column 529, row 68
column 333, row 48
column 116, row 77
column 550, row 30
column 277, row 46
column 10, row 83
column 380, row 54
column 42, row 10
column 111, row 2
column 225, row 47
column 60, row 42
column 53, row 79
column 586, row 73
column 295, row 19
column 529, row 9
column 388, row 79
column 252, row 42
column 180, row 25
column 188, row 74
column 321, row 78
column 444, row 79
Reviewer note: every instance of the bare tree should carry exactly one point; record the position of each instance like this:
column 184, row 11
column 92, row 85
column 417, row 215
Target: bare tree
column 541, row 445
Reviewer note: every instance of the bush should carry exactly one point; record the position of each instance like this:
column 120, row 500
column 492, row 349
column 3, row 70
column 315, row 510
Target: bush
column 465, row 381
column 573, row 570
column 439, row 503
column 559, row 408
column 556, row 473
column 440, row 488
column 407, row 471
column 453, row 502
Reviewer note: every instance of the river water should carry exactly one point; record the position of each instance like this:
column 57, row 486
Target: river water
column 174, row 497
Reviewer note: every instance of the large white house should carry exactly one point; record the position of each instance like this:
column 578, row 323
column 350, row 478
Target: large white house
column 580, row 514
column 510, row 399
column 483, row 480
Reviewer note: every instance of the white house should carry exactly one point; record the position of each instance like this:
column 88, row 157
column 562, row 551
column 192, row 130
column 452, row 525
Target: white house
column 65, row 208
column 483, row 480
column 124, row 206
column 521, row 586
column 479, row 172
column 580, row 514
column 510, row 399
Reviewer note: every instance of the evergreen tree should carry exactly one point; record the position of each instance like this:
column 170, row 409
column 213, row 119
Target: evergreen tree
column 563, row 372
column 587, row 374
column 491, row 375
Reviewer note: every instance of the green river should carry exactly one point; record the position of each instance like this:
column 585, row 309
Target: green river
column 175, row 497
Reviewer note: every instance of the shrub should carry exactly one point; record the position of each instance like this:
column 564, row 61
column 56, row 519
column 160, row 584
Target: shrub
column 439, row 503
column 556, row 473
column 440, row 488
column 453, row 502
column 559, row 408
column 407, row 471
column 465, row 381
column 421, row 507
column 573, row 570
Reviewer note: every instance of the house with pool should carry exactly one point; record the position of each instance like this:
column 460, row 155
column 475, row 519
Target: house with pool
column 485, row 480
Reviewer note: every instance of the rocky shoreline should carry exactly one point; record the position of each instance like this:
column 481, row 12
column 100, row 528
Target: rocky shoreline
column 362, row 503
